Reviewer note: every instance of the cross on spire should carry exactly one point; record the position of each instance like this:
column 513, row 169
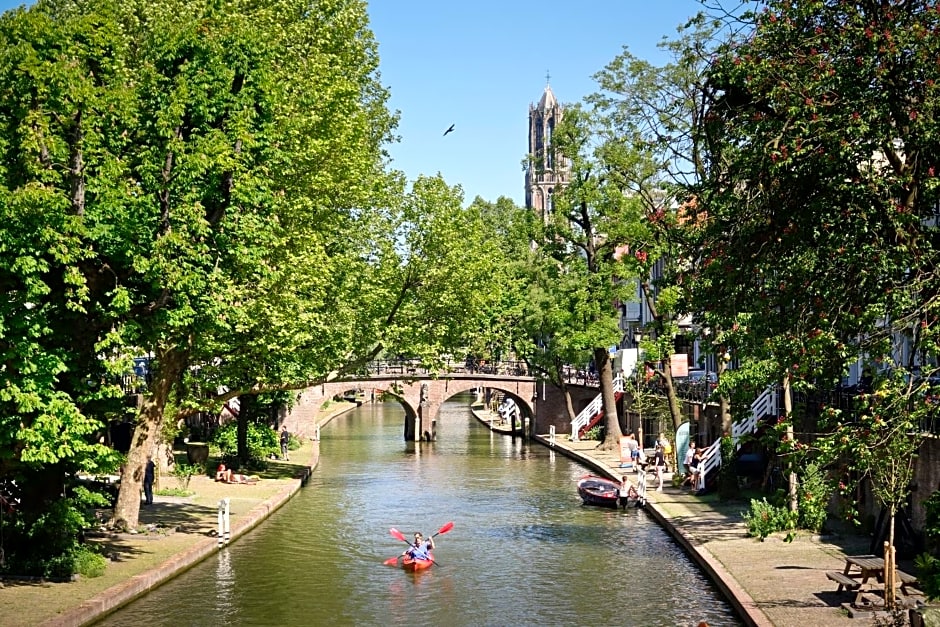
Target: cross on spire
column 548, row 77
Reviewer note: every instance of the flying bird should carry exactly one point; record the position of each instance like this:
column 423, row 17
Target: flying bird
column 450, row 130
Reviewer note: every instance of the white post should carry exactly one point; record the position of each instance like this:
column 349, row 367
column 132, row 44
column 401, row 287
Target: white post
column 224, row 529
column 641, row 486
column 551, row 434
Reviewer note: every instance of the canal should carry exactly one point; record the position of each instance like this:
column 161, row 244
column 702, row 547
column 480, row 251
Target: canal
column 523, row 550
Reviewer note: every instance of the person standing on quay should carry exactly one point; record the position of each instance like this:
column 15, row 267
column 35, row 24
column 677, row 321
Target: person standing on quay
column 285, row 440
column 689, row 455
column 659, row 461
column 149, row 475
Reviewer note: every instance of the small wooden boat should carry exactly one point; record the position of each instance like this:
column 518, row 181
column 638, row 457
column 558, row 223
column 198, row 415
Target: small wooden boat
column 598, row 491
column 413, row 564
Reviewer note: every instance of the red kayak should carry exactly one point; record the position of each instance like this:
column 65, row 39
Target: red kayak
column 410, row 562
column 413, row 564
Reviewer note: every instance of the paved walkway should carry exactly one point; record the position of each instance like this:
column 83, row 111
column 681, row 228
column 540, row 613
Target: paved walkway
column 769, row 583
column 773, row 582
column 249, row 507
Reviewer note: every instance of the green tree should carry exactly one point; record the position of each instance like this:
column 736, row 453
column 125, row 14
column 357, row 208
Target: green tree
column 593, row 213
column 647, row 113
column 196, row 170
column 819, row 205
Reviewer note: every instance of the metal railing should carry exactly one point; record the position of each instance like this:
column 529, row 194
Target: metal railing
column 413, row 367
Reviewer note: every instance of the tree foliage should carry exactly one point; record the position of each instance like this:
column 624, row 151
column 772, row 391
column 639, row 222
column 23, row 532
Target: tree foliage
column 205, row 184
column 818, row 209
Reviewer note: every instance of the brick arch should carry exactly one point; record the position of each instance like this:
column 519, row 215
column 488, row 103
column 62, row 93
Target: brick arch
column 421, row 398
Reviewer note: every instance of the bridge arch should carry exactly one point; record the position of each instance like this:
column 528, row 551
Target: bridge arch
column 421, row 397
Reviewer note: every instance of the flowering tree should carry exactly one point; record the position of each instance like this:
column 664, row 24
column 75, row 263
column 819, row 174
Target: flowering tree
column 819, row 208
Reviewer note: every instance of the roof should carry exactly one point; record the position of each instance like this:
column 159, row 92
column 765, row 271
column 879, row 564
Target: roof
column 548, row 99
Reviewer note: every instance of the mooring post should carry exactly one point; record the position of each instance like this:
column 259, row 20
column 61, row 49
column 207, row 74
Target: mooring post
column 224, row 529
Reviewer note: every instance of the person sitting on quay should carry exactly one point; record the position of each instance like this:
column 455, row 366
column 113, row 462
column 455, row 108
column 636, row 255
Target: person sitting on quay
column 226, row 475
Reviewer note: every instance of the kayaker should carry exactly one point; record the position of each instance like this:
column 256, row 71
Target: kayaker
column 421, row 548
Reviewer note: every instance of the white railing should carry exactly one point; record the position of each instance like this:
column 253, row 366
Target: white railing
column 593, row 408
column 764, row 405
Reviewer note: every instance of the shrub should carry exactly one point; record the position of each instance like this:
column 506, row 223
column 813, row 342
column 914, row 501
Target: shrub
column 928, row 566
column 87, row 563
column 184, row 474
column 294, row 443
column 764, row 518
column 727, row 476
column 594, row 433
column 813, row 498
column 58, row 567
column 262, row 442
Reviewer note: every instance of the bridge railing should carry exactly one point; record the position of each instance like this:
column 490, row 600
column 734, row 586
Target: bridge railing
column 413, row 367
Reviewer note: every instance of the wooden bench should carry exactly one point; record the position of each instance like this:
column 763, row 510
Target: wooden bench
column 906, row 580
column 845, row 581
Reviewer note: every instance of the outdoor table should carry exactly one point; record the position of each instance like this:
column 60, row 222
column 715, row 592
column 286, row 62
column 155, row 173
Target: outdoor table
column 867, row 565
column 860, row 568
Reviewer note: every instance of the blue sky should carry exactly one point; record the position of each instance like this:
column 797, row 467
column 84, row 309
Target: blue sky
column 479, row 65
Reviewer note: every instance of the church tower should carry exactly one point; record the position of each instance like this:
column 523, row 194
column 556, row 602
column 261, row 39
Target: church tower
column 546, row 170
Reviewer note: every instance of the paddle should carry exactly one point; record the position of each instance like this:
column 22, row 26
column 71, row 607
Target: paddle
column 393, row 561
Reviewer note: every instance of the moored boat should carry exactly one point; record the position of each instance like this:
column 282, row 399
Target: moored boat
column 598, row 491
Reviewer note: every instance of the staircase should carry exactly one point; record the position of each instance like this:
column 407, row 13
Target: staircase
column 764, row 405
column 509, row 412
column 594, row 412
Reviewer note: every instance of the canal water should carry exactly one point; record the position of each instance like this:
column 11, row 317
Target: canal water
column 522, row 551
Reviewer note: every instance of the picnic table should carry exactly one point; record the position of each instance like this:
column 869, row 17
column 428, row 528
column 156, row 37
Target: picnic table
column 860, row 568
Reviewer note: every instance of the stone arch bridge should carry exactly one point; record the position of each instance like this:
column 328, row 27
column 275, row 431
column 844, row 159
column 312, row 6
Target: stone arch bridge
column 420, row 395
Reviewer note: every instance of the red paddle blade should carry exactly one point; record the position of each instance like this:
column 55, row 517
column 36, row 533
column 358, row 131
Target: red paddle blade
column 447, row 527
column 392, row 561
column 398, row 534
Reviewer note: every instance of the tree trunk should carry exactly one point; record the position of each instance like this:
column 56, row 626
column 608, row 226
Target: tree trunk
column 569, row 405
column 674, row 408
column 144, row 440
column 724, row 403
column 611, row 421
column 241, row 430
column 788, row 412
column 890, row 567
column 666, row 373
